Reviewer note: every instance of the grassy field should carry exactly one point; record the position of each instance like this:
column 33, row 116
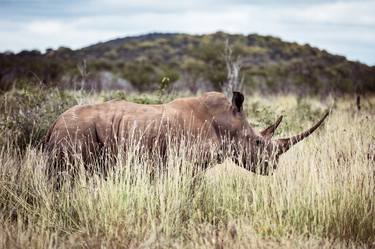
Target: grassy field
column 321, row 196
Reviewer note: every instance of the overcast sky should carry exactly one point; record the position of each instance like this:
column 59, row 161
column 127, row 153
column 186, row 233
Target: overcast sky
column 345, row 27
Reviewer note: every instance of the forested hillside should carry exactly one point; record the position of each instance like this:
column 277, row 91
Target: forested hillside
column 191, row 62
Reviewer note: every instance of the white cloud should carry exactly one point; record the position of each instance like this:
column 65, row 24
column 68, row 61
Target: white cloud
column 341, row 27
column 52, row 33
column 155, row 6
column 341, row 13
column 46, row 27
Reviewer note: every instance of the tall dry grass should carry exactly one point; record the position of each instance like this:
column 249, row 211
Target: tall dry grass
column 321, row 195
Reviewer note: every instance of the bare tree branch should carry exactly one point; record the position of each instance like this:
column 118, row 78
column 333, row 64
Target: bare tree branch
column 233, row 68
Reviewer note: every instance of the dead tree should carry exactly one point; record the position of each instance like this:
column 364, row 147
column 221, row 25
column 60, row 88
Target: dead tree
column 234, row 83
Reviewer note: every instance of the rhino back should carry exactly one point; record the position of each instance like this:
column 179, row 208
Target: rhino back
column 109, row 124
column 100, row 122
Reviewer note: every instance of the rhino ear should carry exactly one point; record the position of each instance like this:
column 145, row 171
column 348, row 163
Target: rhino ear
column 237, row 100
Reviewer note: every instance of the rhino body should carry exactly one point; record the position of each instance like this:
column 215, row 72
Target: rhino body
column 91, row 129
column 217, row 126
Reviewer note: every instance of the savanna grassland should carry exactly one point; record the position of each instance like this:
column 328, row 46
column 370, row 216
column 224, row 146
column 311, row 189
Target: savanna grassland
column 321, row 196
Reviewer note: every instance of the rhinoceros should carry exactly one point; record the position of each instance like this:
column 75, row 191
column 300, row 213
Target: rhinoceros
column 217, row 126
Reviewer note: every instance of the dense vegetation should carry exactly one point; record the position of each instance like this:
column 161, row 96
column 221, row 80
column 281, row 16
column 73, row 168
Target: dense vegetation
column 191, row 62
column 321, row 196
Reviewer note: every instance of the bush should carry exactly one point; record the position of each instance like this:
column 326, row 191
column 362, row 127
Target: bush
column 26, row 114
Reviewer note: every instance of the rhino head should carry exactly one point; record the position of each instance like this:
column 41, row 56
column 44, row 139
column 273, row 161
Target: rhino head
column 255, row 151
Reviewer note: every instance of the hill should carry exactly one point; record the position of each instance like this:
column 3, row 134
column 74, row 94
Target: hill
column 192, row 62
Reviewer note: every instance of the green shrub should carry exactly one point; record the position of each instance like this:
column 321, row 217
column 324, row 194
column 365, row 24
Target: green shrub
column 26, row 114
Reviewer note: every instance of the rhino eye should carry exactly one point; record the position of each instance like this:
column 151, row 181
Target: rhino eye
column 258, row 142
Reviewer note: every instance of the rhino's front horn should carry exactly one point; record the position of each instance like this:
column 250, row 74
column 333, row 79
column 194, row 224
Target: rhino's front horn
column 270, row 130
column 285, row 143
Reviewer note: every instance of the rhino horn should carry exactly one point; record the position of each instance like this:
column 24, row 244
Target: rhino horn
column 270, row 130
column 285, row 143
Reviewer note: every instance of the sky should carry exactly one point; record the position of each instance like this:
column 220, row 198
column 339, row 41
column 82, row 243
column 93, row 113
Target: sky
column 344, row 27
